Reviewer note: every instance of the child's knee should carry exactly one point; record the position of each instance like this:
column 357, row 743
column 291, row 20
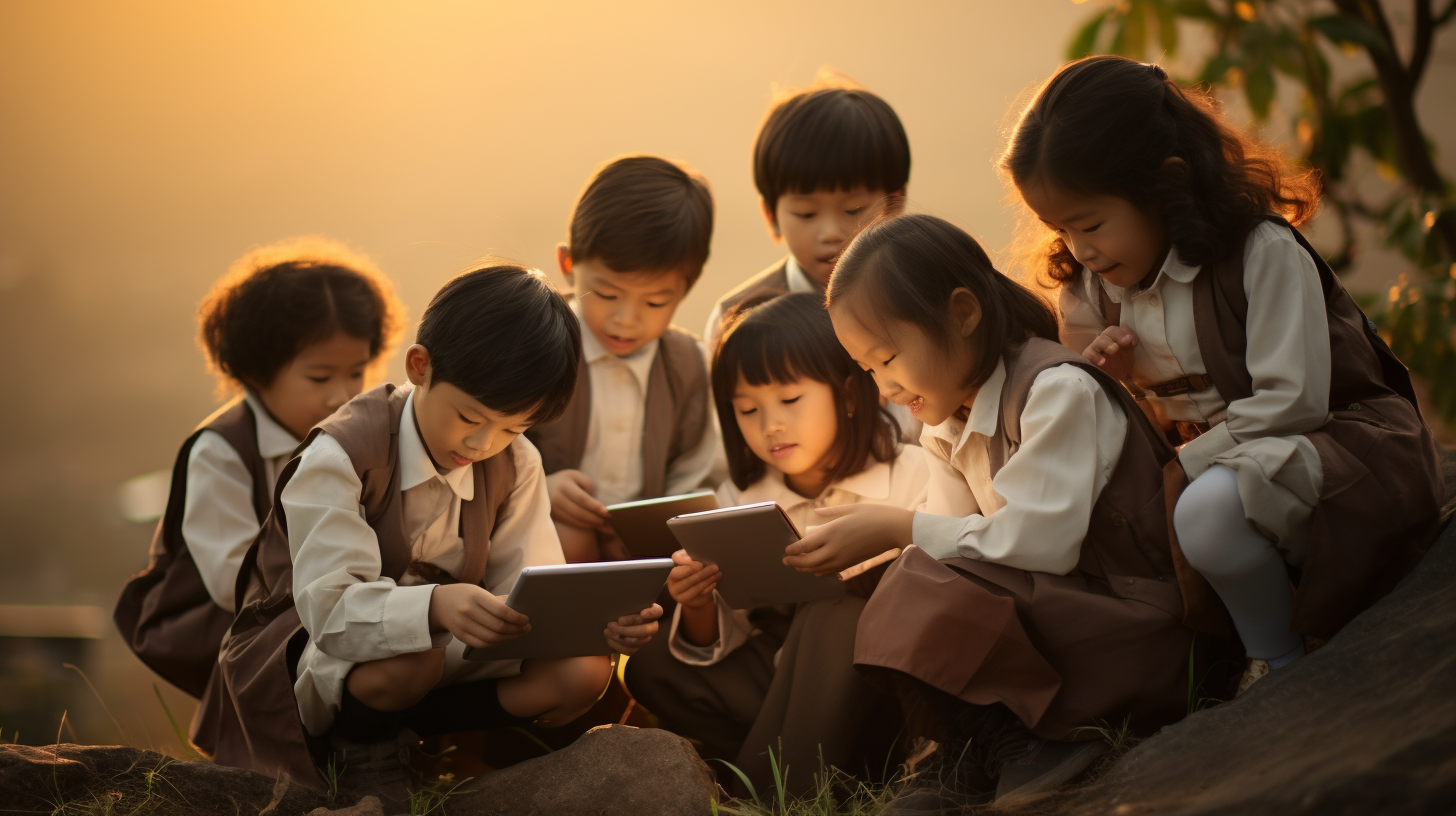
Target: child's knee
column 398, row 682
column 1207, row 507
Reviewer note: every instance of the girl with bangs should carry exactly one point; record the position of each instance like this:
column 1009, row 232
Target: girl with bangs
column 803, row 427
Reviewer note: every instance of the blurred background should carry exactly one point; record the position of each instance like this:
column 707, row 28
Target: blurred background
column 145, row 145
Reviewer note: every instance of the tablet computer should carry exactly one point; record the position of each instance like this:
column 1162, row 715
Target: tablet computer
column 747, row 543
column 570, row 605
column 642, row 525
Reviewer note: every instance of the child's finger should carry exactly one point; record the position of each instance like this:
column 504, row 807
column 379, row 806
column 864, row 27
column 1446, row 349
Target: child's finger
column 809, row 543
column 682, row 559
column 837, row 512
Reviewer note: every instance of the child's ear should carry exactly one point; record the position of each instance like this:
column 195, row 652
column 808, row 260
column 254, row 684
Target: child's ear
column 851, row 396
column 965, row 311
column 417, row 365
column 1175, row 167
column 771, row 219
column 563, row 261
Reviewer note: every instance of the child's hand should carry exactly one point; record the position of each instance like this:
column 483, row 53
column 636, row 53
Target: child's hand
column 572, row 501
column 629, row 633
column 475, row 616
column 691, row 583
column 1111, row 351
column 855, row 533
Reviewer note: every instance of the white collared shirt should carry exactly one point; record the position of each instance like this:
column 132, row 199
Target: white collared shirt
column 1034, row 514
column 354, row 614
column 1288, row 344
column 798, row 280
column 218, row 522
column 901, row 482
column 613, row 453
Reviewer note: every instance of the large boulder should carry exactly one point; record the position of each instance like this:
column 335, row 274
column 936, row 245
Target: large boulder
column 1364, row 725
column 612, row 770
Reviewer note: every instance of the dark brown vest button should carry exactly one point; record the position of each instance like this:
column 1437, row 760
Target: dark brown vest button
column 1119, row 520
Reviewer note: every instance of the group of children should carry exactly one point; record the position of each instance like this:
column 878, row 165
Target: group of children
column 1052, row 515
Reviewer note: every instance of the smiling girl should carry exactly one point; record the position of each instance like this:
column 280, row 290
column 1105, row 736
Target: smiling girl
column 1039, row 595
column 802, row 427
column 292, row 328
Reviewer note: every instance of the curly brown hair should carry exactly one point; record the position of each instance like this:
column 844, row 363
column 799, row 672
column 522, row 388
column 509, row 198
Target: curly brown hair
column 278, row 299
column 1105, row 125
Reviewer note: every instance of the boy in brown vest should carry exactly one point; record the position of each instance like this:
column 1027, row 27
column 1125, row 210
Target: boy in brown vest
column 827, row 161
column 396, row 534
column 640, row 423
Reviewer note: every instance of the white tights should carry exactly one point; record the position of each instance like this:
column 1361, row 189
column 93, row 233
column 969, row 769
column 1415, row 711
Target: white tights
column 1244, row 567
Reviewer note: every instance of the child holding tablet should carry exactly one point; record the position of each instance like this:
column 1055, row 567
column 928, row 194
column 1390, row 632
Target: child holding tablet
column 291, row 328
column 803, row 427
column 397, row 532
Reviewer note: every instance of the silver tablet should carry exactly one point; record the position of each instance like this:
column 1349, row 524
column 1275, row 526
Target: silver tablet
column 642, row 525
column 747, row 543
column 570, row 605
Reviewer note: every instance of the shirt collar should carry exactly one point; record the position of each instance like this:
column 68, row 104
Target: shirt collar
column 273, row 439
column 1173, row 267
column 415, row 465
column 798, row 279
column 638, row 362
column 985, row 412
column 872, row 483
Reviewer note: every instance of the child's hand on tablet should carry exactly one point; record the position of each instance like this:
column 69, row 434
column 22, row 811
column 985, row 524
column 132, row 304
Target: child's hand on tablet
column 854, row 533
column 572, row 501
column 629, row 633
column 475, row 616
column 691, row 583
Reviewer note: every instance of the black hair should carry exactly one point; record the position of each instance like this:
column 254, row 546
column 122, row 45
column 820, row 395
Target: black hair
column 1105, row 125
column 502, row 334
column 787, row 338
column 830, row 138
column 906, row 268
column 278, row 299
column 644, row 214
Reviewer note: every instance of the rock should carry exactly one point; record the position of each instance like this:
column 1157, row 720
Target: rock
column 1364, row 725
column 612, row 770
column 117, row 779
column 367, row 806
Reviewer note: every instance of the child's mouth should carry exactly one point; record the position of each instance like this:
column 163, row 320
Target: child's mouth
column 460, row 461
column 915, row 406
column 619, row 343
column 780, row 451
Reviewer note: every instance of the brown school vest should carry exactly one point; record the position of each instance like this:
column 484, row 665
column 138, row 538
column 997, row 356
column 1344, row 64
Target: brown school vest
column 771, row 281
column 252, row 720
column 674, row 417
column 1380, row 502
column 164, row 613
column 1106, row 641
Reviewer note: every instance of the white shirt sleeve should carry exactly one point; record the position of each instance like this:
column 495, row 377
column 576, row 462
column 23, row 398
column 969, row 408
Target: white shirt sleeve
column 351, row 612
column 734, row 629
column 698, row 466
column 524, row 535
column 1049, row 484
column 218, row 522
column 1288, row 353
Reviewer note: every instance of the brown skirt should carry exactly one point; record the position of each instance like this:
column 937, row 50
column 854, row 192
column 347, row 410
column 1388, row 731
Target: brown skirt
column 1061, row 651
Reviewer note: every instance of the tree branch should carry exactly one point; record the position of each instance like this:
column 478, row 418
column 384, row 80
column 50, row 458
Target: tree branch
column 1421, row 51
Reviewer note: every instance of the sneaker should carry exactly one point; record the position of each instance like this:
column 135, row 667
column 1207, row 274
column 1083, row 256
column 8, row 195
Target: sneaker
column 1046, row 765
column 379, row 769
column 1253, row 672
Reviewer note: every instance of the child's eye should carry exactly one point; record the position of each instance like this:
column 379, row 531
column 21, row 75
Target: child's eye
column 791, row 401
column 805, row 216
column 465, row 419
column 887, row 362
column 746, row 411
column 657, row 305
column 1092, row 228
column 604, row 296
column 855, row 211
column 319, row 380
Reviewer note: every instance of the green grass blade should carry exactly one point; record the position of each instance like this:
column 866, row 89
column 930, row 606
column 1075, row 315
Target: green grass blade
column 533, row 738
column 176, row 728
column 742, row 777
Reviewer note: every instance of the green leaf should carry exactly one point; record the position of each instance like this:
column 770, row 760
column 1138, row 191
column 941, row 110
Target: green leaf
column 1259, row 90
column 1085, row 41
column 1339, row 29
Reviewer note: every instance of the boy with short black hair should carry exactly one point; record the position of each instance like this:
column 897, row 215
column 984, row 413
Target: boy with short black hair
column 827, row 161
column 397, row 533
column 640, row 423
